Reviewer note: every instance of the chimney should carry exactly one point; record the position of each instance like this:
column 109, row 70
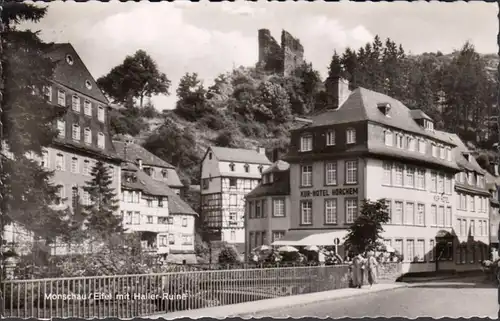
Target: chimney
column 139, row 163
column 337, row 90
column 261, row 150
column 276, row 155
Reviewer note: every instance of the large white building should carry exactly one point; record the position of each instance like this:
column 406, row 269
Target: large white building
column 227, row 175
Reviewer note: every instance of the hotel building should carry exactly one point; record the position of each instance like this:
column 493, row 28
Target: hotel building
column 493, row 184
column 267, row 217
column 370, row 146
column 227, row 176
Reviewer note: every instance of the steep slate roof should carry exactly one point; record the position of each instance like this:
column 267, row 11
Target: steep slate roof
column 73, row 76
column 419, row 114
column 458, row 151
column 239, row 155
column 361, row 105
column 135, row 151
column 277, row 187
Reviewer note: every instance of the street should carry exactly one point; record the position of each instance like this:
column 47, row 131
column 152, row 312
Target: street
column 434, row 299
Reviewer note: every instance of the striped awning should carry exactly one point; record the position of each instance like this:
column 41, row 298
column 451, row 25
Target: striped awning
column 311, row 237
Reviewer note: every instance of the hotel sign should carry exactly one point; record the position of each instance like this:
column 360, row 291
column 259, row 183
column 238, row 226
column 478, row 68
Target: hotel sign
column 441, row 198
column 328, row 192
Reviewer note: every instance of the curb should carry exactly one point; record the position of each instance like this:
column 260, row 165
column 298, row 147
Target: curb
column 250, row 308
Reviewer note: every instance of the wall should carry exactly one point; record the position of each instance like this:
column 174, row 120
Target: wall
column 179, row 231
column 282, row 59
column 318, row 181
column 210, row 167
column 293, row 52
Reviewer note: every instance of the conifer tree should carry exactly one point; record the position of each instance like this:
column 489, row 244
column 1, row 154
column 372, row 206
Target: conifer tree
column 100, row 214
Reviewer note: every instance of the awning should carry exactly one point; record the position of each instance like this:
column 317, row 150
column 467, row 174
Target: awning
column 311, row 237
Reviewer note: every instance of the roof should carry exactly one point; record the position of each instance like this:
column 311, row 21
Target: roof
column 136, row 151
column 361, row 105
column 458, row 153
column 419, row 114
column 239, row 155
column 281, row 186
column 73, row 76
column 176, row 205
column 278, row 166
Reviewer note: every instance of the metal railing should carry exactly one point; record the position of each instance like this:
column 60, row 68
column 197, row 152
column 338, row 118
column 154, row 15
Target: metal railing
column 128, row 296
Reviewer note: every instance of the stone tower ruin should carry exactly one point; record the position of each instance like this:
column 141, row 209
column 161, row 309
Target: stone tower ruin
column 276, row 58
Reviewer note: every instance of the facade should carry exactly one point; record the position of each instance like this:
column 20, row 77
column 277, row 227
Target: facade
column 227, row 175
column 267, row 217
column 371, row 146
column 83, row 138
column 151, row 206
column 493, row 184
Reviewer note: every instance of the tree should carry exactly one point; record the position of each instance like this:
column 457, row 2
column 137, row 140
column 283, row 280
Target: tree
column 364, row 233
column 136, row 78
column 192, row 98
column 228, row 255
column 100, row 214
column 27, row 118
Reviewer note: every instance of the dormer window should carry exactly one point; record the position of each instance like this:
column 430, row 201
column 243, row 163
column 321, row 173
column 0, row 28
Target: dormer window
column 442, row 152
column 421, row 146
column 399, row 140
column 265, row 179
column 384, row 108
column 261, row 168
column 448, row 154
column 388, row 138
column 330, row 138
column 231, row 167
column 271, row 177
column 466, row 156
column 164, row 173
column 69, row 60
column 410, row 143
column 210, row 156
column 306, row 143
column 428, row 124
column 247, row 168
column 434, row 150
column 350, row 136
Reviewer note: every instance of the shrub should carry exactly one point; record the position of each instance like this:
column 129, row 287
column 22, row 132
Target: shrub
column 228, row 255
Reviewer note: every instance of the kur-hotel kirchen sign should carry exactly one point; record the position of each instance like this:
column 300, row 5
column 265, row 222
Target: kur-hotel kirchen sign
column 330, row 192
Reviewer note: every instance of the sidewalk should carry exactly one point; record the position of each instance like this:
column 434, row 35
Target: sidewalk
column 458, row 276
column 276, row 303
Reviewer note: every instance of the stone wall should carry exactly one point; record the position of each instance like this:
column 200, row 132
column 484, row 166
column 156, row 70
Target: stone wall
column 389, row 272
column 276, row 58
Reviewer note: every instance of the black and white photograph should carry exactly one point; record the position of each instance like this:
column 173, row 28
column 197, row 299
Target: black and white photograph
column 249, row 159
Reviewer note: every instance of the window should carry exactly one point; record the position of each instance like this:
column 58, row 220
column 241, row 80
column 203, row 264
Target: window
column 351, row 136
column 420, row 217
column 331, row 211
column 86, row 198
column 45, row 159
column 100, row 140
column 434, row 150
column 463, row 201
column 398, row 181
column 388, row 205
column 472, row 228
column 74, row 165
column 480, row 181
column 431, row 250
column 442, row 152
column 449, row 216
column 398, row 246
column 351, row 208
column 433, row 215
column 61, row 127
column 184, row 222
column 87, row 136
column 410, row 143
column 61, row 194
column 351, row 172
column 258, row 213
column 171, row 239
column 448, row 154
column 420, row 250
column 447, row 184
column 331, row 173
column 433, row 182
column 76, row 132
column 410, row 177
column 86, row 167
column 463, row 227
column 47, row 90
column 441, row 216
column 410, row 250
column 421, row 178
column 306, row 175
column 260, row 168
column 264, row 208
column 306, row 143
column 61, row 98
column 399, row 141
column 421, row 146
column 440, row 183
column 60, row 162
column 409, row 214
column 100, row 114
column 160, row 201
column 87, row 108
column 75, row 103
column 397, row 218
column 330, row 138
column 277, row 235
column 233, row 182
column 279, row 207
column 233, row 235
column 472, row 203
column 74, row 196
column 387, row 173
column 231, row 167
column 470, row 178
column 306, row 212
column 388, row 138
column 233, row 200
column 247, row 168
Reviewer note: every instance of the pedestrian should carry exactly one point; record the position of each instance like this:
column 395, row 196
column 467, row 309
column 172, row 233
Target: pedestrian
column 358, row 267
column 321, row 258
column 371, row 265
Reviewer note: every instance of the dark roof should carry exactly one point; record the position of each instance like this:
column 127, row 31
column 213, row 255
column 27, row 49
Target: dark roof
column 176, row 205
column 419, row 114
column 361, row 105
column 135, row 151
column 276, row 188
column 458, row 153
column 278, row 166
column 94, row 151
column 239, row 155
column 73, row 76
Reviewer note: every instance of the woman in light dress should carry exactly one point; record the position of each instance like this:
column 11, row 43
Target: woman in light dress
column 358, row 267
column 371, row 265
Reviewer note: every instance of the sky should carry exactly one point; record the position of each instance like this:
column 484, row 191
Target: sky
column 212, row 38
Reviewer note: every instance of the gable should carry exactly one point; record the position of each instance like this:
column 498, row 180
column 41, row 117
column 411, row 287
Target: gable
column 71, row 72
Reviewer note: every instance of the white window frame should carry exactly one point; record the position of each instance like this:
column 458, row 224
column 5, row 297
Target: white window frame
column 409, row 213
column 351, row 136
column 101, row 115
column 410, row 177
column 330, row 138
column 448, row 154
column 101, row 140
column 434, row 215
column 47, row 91
column 398, row 172
column 306, row 173
column 75, row 103
column 387, row 167
column 351, row 170
column 306, row 143
column 61, row 127
column 351, row 210
column 76, row 132
column 331, row 173
column 60, row 162
column 61, row 97
column 411, row 143
column 74, row 165
column 87, row 133
column 331, row 211
column 397, row 218
column 306, row 212
column 422, row 146
column 420, row 179
column 87, row 108
column 279, row 207
column 400, row 141
column 388, row 138
column 420, row 215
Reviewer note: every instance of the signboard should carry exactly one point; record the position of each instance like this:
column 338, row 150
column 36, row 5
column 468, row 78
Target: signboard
column 441, row 198
column 330, row 192
column 336, row 241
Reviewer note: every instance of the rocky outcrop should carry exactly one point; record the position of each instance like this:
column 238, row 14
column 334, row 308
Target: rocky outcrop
column 276, row 58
